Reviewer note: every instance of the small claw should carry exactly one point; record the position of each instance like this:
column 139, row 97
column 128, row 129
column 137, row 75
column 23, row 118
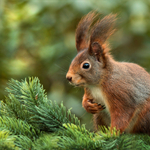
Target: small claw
column 103, row 106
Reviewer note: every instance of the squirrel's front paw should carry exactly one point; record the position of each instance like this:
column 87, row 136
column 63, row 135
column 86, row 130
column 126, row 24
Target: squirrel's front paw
column 92, row 107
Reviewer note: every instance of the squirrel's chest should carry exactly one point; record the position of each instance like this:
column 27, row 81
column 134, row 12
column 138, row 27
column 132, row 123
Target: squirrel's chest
column 98, row 95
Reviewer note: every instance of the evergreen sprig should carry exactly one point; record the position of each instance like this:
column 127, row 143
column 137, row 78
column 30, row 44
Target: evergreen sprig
column 47, row 142
column 76, row 137
column 18, row 127
column 50, row 116
column 28, row 102
column 7, row 140
column 24, row 142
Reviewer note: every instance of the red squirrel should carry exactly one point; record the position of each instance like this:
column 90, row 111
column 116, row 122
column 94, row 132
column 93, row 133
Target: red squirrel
column 116, row 93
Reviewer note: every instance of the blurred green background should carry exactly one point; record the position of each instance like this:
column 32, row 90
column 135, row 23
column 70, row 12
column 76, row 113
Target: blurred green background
column 37, row 38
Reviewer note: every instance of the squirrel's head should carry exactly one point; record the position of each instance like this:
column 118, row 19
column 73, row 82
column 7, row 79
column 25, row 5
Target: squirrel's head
column 91, row 62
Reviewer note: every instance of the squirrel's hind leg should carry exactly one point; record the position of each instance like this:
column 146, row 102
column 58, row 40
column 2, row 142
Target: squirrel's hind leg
column 101, row 118
column 142, row 124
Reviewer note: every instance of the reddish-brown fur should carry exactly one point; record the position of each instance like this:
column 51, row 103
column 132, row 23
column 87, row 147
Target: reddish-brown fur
column 117, row 93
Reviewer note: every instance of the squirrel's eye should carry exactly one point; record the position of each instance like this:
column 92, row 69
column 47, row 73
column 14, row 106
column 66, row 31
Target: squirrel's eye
column 86, row 66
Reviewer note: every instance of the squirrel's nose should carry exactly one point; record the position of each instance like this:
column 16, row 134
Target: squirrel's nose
column 69, row 78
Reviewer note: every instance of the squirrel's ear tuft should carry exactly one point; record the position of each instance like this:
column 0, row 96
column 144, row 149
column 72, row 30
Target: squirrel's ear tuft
column 100, row 32
column 96, row 50
column 88, row 31
column 82, row 31
column 103, row 29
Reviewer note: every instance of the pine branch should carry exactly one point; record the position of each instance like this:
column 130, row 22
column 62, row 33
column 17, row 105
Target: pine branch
column 24, row 142
column 46, row 142
column 18, row 127
column 11, row 107
column 27, row 101
column 77, row 137
column 50, row 116
column 7, row 140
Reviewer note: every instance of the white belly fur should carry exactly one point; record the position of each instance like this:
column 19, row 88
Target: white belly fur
column 98, row 96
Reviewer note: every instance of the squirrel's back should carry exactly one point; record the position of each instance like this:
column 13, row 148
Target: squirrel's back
column 128, row 82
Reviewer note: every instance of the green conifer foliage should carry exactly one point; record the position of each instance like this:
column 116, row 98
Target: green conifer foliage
column 28, row 102
column 29, row 120
column 7, row 140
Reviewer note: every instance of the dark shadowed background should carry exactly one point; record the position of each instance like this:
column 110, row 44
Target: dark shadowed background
column 37, row 38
